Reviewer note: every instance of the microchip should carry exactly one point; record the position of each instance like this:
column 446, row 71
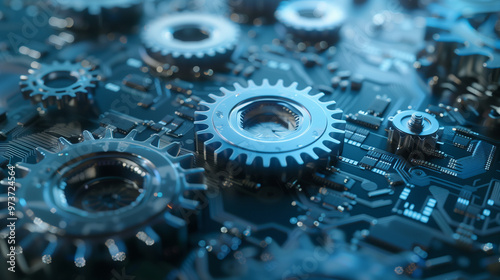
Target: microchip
column 358, row 138
column 138, row 82
column 365, row 120
column 157, row 127
column 461, row 141
column 374, row 154
column 181, row 86
column 122, row 124
column 383, row 165
column 174, row 124
column 368, row 162
column 378, row 106
column 146, row 102
column 185, row 113
column 394, row 179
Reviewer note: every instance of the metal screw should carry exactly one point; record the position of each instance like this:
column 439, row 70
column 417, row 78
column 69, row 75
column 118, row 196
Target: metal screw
column 416, row 123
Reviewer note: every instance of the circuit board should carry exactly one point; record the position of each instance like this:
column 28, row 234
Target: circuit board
column 249, row 139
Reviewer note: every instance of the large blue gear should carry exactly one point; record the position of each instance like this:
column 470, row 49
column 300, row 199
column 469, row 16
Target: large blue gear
column 269, row 127
column 51, row 200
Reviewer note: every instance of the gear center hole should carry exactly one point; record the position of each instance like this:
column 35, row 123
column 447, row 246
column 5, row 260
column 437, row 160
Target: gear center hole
column 104, row 183
column 190, row 33
column 269, row 120
column 311, row 13
column 59, row 79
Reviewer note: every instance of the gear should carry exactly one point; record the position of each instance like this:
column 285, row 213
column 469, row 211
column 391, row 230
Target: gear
column 254, row 8
column 463, row 48
column 101, row 191
column 311, row 20
column 61, row 84
column 189, row 40
column 100, row 15
column 413, row 132
column 269, row 128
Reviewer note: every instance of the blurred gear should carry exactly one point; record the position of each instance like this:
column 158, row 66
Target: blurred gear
column 100, row 15
column 466, row 47
column 413, row 132
column 270, row 128
column 254, row 8
column 62, row 84
column 101, row 191
column 311, row 20
column 188, row 40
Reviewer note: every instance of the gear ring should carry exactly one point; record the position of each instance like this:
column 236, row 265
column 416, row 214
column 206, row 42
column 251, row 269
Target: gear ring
column 56, row 198
column 190, row 40
column 311, row 20
column 75, row 84
column 269, row 127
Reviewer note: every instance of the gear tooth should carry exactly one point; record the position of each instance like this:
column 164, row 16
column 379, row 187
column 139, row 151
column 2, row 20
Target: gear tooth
column 188, row 203
column 280, row 83
column 234, row 155
column 265, row 83
column 196, row 187
column 298, row 159
column 87, row 136
column 319, row 96
column 174, row 221
column 185, row 160
column 108, row 134
column 63, row 142
column 250, row 159
column 225, row 91
column 330, row 104
column 293, row 86
column 238, row 87
column 131, row 135
column 213, row 96
column 266, row 161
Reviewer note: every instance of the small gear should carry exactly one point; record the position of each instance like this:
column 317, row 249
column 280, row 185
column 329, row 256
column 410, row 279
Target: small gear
column 99, row 192
column 413, row 132
column 311, row 20
column 269, row 128
column 100, row 15
column 254, row 8
column 189, row 40
column 61, row 84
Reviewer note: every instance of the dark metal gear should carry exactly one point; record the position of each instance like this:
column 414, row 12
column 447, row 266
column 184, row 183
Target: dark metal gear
column 102, row 191
column 61, row 84
column 254, row 8
column 412, row 131
column 271, row 129
column 189, row 40
column 462, row 47
column 100, row 15
column 311, row 20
